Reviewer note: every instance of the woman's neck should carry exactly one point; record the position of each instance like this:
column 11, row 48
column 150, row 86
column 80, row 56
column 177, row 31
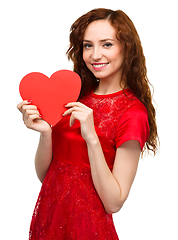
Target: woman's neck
column 105, row 88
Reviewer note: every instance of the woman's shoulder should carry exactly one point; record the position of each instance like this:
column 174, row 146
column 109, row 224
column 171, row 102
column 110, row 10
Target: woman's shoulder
column 136, row 107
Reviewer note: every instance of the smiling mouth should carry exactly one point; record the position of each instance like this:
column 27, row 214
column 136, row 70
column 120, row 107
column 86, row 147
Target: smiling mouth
column 99, row 66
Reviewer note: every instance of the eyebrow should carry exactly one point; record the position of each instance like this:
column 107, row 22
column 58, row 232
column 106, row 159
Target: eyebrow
column 103, row 40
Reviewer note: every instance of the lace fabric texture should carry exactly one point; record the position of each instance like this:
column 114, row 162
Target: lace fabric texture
column 112, row 107
column 117, row 114
column 68, row 206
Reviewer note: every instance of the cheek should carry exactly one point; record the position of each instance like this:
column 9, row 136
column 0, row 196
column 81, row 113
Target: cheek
column 119, row 56
column 122, row 53
column 86, row 59
column 85, row 56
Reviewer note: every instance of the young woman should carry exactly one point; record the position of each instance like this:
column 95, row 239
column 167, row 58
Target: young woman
column 88, row 161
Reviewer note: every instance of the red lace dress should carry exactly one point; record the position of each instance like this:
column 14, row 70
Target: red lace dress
column 68, row 206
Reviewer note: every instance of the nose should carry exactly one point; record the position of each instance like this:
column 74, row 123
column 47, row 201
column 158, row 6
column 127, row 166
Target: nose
column 96, row 54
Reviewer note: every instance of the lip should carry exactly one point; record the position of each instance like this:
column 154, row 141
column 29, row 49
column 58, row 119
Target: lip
column 99, row 66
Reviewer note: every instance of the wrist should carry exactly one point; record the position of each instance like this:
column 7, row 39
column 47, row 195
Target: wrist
column 93, row 140
column 46, row 133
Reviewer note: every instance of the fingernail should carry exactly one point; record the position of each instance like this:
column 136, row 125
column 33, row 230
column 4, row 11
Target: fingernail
column 29, row 101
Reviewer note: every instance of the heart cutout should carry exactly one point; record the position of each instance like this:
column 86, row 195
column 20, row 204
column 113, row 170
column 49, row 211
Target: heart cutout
column 51, row 94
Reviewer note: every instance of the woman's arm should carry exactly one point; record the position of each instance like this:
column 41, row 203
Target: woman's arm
column 112, row 187
column 43, row 156
column 32, row 120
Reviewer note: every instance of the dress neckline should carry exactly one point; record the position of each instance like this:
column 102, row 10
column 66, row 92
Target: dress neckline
column 111, row 94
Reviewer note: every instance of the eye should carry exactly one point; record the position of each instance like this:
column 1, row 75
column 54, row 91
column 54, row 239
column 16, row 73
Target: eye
column 87, row 45
column 107, row 45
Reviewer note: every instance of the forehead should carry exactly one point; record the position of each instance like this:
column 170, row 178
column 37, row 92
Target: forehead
column 101, row 29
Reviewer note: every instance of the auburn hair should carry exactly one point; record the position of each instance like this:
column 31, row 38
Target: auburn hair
column 134, row 74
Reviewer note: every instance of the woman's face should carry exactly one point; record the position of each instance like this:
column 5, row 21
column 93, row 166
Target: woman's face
column 103, row 53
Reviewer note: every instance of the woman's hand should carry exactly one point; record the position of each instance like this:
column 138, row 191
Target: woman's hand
column 32, row 118
column 85, row 115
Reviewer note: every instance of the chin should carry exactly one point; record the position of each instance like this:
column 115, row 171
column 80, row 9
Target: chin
column 101, row 75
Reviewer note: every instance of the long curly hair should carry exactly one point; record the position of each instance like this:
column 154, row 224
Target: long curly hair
column 134, row 74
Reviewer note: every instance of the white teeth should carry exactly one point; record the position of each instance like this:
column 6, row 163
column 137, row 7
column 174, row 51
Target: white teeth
column 99, row 65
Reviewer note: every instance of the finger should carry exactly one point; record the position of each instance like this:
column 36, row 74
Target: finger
column 32, row 110
column 77, row 104
column 29, row 112
column 28, row 107
column 22, row 105
column 69, row 111
column 74, row 116
column 30, row 120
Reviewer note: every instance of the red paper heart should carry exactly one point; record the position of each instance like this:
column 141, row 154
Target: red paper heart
column 51, row 94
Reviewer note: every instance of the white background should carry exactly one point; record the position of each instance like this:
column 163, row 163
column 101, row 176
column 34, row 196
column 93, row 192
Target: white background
column 34, row 37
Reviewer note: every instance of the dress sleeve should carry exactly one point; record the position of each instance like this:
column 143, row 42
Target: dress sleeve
column 133, row 125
